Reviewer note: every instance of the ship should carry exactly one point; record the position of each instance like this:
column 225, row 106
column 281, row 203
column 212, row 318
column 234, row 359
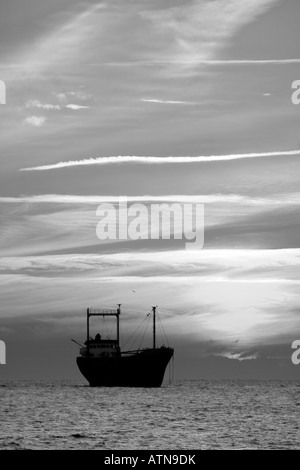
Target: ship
column 103, row 364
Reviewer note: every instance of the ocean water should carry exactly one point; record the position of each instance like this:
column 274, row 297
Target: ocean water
column 184, row 415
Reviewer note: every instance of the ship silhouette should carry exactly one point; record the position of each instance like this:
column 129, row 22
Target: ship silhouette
column 103, row 364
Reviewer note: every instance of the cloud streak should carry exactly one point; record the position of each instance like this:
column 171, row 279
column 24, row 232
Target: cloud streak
column 39, row 105
column 238, row 265
column 152, row 160
column 35, row 121
column 53, row 107
column 153, row 100
column 276, row 199
column 76, row 107
column 216, row 62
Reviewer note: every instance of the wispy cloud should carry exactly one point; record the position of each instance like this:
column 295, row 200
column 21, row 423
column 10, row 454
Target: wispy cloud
column 153, row 100
column 196, row 32
column 80, row 95
column 216, row 62
column 252, row 62
column 160, row 160
column 39, row 105
column 64, row 43
column 35, row 121
column 210, row 265
column 275, row 199
column 76, row 107
column 53, row 107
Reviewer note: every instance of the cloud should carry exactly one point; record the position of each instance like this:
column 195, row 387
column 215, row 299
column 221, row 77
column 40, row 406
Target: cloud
column 61, row 96
column 76, row 107
column 216, row 62
column 196, row 32
column 37, row 104
column 64, row 43
column 35, row 121
column 80, row 95
column 221, row 265
column 151, row 100
column 54, row 107
column 240, row 356
column 143, row 159
column 252, row 62
column 276, row 199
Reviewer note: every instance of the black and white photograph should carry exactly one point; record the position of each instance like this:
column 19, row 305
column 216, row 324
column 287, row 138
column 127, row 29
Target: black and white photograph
column 149, row 227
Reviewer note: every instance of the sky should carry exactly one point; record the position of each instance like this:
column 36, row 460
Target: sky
column 185, row 101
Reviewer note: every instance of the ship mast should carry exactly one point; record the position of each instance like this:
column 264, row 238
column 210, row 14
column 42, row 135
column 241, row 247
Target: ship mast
column 154, row 326
column 92, row 312
column 118, row 323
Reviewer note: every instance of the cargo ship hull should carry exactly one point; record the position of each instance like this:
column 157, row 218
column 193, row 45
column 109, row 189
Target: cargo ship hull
column 144, row 368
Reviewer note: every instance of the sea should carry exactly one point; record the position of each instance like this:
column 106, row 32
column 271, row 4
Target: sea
column 200, row 414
